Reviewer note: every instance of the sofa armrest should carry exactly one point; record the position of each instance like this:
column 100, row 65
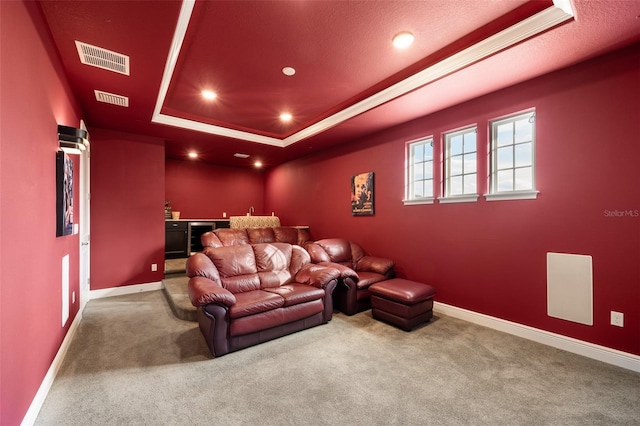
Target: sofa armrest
column 345, row 271
column 379, row 265
column 316, row 275
column 203, row 291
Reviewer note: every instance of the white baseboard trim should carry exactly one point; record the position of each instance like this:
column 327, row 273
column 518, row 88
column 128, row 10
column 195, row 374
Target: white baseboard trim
column 569, row 344
column 127, row 289
column 34, row 409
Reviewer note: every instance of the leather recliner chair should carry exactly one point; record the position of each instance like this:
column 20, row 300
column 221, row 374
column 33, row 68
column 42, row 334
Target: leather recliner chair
column 358, row 271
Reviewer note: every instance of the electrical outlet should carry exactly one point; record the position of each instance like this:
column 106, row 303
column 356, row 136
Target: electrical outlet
column 617, row 319
column 224, row 214
column 154, row 267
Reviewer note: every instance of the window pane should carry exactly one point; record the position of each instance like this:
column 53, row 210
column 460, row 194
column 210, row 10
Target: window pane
column 455, row 145
column 418, row 153
column 505, row 157
column 455, row 165
column 470, row 183
column 505, row 180
column 418, row 189
column 418, row 173
column 428, row 151
column 505, row 134
column 524, row 130
column 428, row 170
column 470, row 141
column 524, row 178
column 427, row 188
column 470, row 163
column 524, row 154
column 455, row 185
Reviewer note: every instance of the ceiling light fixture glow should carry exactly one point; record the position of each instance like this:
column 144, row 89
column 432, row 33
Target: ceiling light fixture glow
column 286, row 117
column 403, row 40
column 209, row 95
column 193, row 154
column 258, row 164
column 288, row 71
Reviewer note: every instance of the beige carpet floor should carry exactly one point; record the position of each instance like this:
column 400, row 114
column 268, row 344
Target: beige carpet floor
column 132, row 362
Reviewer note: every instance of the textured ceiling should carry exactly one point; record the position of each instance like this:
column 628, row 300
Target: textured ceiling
column 350, row 81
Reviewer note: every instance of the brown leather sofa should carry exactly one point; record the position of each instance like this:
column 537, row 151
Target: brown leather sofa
column 358, row 271
column 246, row 293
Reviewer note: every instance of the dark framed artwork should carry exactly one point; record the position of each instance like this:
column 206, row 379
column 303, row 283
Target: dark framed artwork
column 362, row 192
column 64, row 194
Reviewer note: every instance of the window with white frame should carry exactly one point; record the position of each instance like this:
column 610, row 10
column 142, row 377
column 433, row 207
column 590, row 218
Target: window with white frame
column 420, row 170
column 461, row 160
column 512, row 154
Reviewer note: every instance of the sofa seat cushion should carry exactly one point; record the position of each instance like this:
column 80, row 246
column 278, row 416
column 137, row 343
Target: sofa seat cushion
column 368, row 278
column 296, row 293
column 274, row 318
column 254, row 302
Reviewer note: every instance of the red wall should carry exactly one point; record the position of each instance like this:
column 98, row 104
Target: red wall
column 35, row 99
column 127, row 209
column 490, row 257
column 201, row 191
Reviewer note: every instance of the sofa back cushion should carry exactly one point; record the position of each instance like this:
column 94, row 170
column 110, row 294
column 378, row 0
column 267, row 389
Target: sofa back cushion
column 210, row 239
column 299, row 258
column 232, row 237
column 236, row 265
column 357, row 253
column 272, row 262
column 338, row 250
column 261, row 235
column 286, row 234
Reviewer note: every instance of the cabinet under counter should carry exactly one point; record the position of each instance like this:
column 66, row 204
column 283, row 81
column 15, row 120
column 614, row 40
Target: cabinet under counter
column 182, row 236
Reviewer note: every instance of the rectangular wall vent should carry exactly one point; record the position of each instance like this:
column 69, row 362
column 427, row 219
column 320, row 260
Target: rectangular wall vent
column 111, row 98
column 103, row 58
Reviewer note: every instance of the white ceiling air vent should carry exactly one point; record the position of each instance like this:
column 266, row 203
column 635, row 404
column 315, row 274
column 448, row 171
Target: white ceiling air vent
column 111, row 98
column 103, row 58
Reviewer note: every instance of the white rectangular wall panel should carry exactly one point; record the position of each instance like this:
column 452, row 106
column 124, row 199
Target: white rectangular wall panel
column 65, row 289
column 570, row 287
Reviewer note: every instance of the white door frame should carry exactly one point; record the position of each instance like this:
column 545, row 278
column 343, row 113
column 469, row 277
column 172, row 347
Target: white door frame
column 85, row 224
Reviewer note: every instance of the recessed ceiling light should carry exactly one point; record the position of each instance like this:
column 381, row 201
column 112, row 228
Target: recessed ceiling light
column 258, row 164
column 286, row 117
column 288, row 71
column 403, row 40
column 193, row 154
column 208, row 94
column 239, row 155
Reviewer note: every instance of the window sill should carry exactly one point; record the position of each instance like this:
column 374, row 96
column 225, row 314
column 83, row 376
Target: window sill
column 459, row 199
column 418, row 201
column 515, row 195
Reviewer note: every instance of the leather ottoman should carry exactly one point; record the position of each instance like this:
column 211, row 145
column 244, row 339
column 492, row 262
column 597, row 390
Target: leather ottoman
column 401, row 302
